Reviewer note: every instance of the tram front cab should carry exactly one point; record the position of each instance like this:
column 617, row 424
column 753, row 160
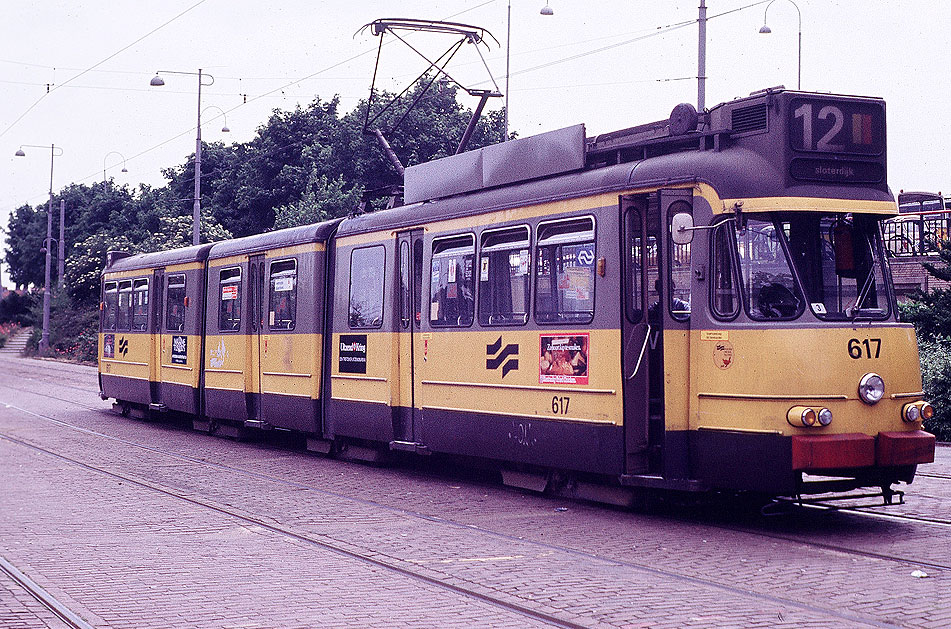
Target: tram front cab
column 805, row 381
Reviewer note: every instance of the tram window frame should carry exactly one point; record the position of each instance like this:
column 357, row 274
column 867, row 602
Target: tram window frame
column 110, row 303
column 368, row 289
column 140, row 304
column 450, row 248
column 492, row 288
column 725, row 229
column 678, row 308
column 285, row 317
column 634, row 308
column 556, row 235
column 405, row 297
column 175, row 287
column 752, row 303
column 229, row 321
column 124, row 310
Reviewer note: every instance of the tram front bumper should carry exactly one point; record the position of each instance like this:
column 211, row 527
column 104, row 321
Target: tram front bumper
column 850, row 450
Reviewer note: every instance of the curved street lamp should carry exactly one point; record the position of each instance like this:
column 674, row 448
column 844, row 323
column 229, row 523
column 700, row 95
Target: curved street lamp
column 158, row 81
column 45, row 338
column 765, row 30
column 546, row 10
column 105, row 157
column 225, row 128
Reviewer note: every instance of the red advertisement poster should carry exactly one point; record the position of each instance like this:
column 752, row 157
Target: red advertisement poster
column 563, row 359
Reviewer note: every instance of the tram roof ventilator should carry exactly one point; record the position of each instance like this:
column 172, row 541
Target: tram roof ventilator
column 568, row 150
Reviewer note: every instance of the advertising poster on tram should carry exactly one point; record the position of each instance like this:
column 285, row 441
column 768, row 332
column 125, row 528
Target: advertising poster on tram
column 563, row 359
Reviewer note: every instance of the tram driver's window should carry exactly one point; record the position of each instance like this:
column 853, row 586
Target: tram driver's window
column 229, row 303
column 109, row 305
column 140, row 304
column 282, row 296
column 452, row 285
column 564, row 271
column 679, row 267
column 175, row 303
column 367, row 266
column 124, row 312
column 504, row 276
column 725, row 290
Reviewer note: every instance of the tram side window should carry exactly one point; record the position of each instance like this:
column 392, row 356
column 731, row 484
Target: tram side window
column 109, row 305
column 635, row 266
column 564, row 272
column 124, row 311
column 140, row 304
column 725, row 294
column 504, row 276
column 229, row 303
column 367, row 267
column 282, row 297
column 175, row 303
column 452, row 289
column 405, row 297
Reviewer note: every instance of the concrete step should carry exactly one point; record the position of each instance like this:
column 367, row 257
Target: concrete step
column 17, row 343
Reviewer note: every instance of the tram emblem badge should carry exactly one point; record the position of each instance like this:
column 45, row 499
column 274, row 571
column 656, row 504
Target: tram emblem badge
column 123, row 346
column 498, row 356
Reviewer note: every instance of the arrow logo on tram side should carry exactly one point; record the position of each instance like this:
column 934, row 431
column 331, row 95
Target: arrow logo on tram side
column 498, row 356
column 123, row 346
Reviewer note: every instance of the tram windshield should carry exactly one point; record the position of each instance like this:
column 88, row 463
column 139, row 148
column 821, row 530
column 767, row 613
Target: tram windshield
column 838, row 258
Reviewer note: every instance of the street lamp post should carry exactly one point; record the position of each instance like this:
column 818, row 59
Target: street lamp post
column 105, row 157
column 45, row 338
column 765, row 30
column 546, row 10
column 157, row 81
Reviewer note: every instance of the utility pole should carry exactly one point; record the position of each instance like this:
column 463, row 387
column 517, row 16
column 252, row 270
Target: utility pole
column 61, row 263
column 702, row 58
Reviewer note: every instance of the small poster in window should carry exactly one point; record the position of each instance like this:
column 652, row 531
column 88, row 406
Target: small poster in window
column 484, row 270
column 563, row 359
column 179, row 350
column 452, row 270
column 586, row 255
column 523, row 262
column 283, row 284
column 229, row 292
column 108, row 345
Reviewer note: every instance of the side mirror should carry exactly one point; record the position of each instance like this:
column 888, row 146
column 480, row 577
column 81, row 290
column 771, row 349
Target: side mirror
column 681, row 228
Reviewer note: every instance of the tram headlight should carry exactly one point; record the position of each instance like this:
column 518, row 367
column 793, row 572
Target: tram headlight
column 917, row 411
column 800, row 416
column 911, row 412
column 824, row 416
column 871, row 388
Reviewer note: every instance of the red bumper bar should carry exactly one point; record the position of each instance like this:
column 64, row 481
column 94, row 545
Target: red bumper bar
column 818, row 452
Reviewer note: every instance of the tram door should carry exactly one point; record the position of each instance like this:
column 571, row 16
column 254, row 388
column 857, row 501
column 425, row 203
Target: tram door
column 409, row 268
column 638, row 332
column 156, row 359
column 258, row 339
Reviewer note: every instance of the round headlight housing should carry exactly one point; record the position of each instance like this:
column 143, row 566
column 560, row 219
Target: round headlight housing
column 824, row 416
column 927, row 410
column 912, row 413
column 871, row 388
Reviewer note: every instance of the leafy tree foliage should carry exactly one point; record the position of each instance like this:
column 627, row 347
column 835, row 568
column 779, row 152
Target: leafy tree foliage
column 931, row 315
column 304, row 165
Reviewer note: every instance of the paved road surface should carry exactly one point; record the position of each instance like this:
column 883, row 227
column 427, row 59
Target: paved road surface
column 123, row 523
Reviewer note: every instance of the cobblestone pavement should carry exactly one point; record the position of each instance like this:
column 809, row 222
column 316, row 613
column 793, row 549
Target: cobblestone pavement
column 139, row 524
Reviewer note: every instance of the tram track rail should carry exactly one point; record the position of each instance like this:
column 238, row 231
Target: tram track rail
column 408, row 572
column 47, row 600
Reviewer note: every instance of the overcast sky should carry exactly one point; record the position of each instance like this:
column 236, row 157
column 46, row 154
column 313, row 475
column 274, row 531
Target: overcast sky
column 606, row 63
